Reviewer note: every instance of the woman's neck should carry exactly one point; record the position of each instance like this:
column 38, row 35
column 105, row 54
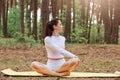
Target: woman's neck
column 55, row 33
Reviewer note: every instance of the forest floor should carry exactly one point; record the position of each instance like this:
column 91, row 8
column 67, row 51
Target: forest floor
column 94, row 58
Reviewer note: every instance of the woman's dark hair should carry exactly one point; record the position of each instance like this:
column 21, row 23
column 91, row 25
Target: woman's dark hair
column 49, row 27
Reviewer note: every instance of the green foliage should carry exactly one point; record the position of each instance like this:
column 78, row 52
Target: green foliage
column 63, row 17
column 78, row 36
column 40, row 31
column 17, row 35
column 30, row 41
column 14, row 28
column 0, row 34
column 14, row 22
column 63, row 14
column 100, row 36
column 0, row 29
column 24, row 42
column 77, row 14
column 94, row 36
column 119, row 36
column 7, row 42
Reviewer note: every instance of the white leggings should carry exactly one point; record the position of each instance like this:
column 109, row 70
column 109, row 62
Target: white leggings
column 55, row 64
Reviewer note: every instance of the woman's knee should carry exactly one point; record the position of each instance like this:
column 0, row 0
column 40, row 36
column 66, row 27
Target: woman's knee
column 37, row 64
column 34, row 64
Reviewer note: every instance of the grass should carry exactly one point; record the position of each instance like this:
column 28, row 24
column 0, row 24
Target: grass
column 11, row 42
column 94, row 58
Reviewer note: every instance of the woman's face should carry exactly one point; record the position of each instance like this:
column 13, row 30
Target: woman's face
column 58, row 27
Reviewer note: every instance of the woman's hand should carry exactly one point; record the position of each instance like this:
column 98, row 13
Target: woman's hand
column 77, row 58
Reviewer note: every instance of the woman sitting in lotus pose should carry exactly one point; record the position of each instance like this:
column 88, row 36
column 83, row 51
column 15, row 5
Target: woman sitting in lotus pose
column 55, row 47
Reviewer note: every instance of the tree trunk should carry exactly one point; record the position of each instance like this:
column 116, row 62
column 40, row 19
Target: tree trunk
column 22, row 17
column 61, row 6
column 111, row 18
column 28, row 16
column 116, row 22
column 82, row 21
column 68, row 21
column 0, row 15
column 35, row 20
column 106, row 20
column 99, row 17
column 10, row 3
column 73, row 15
column 44, row 15
column 4, row 17
column 14, row 2
column 87, row 12
column 58, row 8
column 90, row 23
column 54, row 8
column 88, row 28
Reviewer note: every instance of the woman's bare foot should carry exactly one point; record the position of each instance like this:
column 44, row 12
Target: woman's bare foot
column 67, row 73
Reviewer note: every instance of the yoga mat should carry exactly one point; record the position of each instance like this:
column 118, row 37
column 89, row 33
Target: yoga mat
column 10, row 72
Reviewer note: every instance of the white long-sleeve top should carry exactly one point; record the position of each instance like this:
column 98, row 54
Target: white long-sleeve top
column 55, row 47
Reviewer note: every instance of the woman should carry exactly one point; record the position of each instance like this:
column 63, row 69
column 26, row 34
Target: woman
column 55, row 44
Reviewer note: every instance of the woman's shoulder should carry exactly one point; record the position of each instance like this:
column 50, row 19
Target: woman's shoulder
column 62, row 37
column 47, row 38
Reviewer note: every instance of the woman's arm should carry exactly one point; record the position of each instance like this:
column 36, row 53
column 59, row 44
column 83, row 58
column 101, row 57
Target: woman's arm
column 49, row 43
